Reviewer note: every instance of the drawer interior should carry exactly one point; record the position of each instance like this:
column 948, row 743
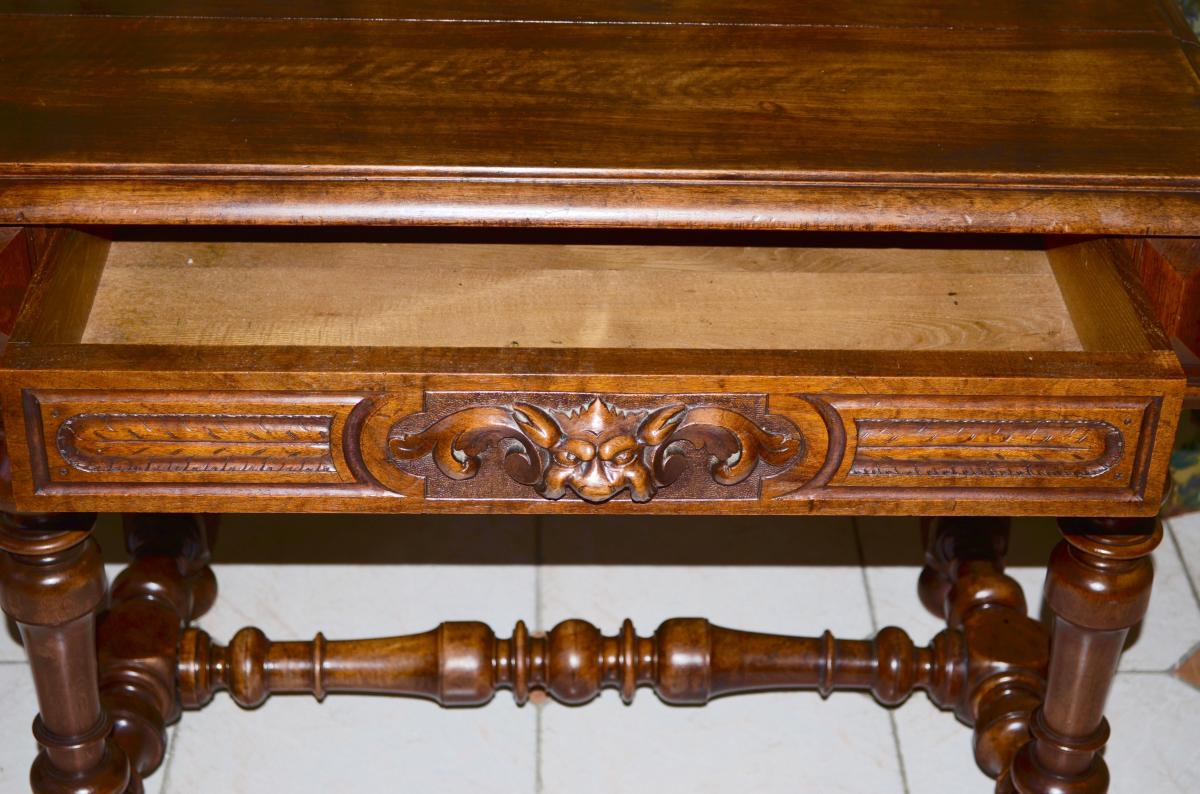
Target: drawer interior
column 414, row 370
column 545, row 290
column 560, row 291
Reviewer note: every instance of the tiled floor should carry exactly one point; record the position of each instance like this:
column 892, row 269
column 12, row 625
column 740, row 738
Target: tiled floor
column 390, row 575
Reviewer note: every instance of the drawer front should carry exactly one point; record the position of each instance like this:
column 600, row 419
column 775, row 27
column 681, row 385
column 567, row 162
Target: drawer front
column 263, row 375
column 558, row 443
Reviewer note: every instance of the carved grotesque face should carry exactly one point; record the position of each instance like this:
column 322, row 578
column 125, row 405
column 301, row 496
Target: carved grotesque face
column 597, row 450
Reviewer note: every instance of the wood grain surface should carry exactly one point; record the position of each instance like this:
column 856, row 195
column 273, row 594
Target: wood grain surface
column 579, row 296
column 977, row 120
column 1068, row 14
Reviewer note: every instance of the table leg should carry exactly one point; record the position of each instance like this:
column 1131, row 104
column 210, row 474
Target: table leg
column 1098, row 586
column 167, row 585
column 53, row 583
column 1007, row 652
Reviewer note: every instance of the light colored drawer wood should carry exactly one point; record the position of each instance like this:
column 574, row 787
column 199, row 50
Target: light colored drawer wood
column 811, row 374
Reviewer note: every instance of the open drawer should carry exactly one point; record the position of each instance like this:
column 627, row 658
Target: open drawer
column 278, row 370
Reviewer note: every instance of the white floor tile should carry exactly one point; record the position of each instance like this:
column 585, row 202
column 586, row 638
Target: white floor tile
column 893, row 555
column 361, row 743
column 1155, row 722
column 17, row 747
column 1186, row 532
column 758, row 744
column 347, row 601
column 891, row 548
column 10, row 646
column 17, row 709
column 378, row 575
column 797, row 576
column 937, row 750
column 1172, row 624
column 356, row 743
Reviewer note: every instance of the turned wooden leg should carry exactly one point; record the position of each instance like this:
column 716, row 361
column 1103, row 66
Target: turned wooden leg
column 1007, row 652
column 1098, row 587
column 168, row 584
column 53, row 583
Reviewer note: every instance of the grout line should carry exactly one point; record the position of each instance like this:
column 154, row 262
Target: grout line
column 1187, row 572
column 13, row 661
column 172, row 740
column 538, row 785
column 899, row 754
column 862, row 569
column 538, row 560
column 891, row 713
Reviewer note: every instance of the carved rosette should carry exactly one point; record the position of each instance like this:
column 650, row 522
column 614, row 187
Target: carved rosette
column 595, row 448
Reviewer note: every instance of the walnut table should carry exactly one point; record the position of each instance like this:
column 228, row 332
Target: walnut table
column 689, row 257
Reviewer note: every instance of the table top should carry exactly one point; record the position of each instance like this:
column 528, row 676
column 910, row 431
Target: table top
column 1057, row 115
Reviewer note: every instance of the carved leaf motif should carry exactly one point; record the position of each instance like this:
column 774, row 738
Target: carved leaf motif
column 736, row 444
column 932, row 447
column 197, row 442
column 596, row 450
column 457, row 441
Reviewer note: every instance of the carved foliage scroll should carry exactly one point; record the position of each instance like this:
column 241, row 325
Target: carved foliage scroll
column 599, row 447
column 397, row 450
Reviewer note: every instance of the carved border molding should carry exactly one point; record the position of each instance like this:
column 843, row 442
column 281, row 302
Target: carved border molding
column 589, row 448
column 196, row 442
column 989, row 448
column 78, row 439
column 910, row 445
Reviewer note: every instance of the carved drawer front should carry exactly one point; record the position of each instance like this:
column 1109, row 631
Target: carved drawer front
column 573, row 450
column 391, row 373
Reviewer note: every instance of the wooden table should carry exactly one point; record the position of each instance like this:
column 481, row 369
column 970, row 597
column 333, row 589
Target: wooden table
column 690, row 257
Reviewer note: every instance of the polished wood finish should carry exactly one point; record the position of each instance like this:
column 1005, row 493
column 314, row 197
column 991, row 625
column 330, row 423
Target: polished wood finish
column 1006, row 651
column 687, row 661
column 59, row 297
column 862, row 444
column 16, row 269
column 1081, row 14
column 185, row 340
column 695, row 115
column 430, row 429
column 1098, row 587
column 988, row 665
column 51, row 584
column 168, row 585
column 1169, row 270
